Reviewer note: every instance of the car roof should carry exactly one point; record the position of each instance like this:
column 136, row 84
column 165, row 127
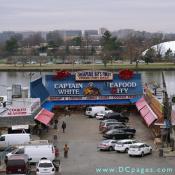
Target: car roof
column 18, row 157
column 138, row 144
column 109, row 120
column 108, row 140
column 45, row 161
column 113, row 113
column 126, row 140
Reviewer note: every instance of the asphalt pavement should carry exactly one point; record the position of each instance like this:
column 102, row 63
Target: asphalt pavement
column 82, row 137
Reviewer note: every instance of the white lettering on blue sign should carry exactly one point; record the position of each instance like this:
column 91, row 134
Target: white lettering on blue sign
column 68, row 88
column 122, row 84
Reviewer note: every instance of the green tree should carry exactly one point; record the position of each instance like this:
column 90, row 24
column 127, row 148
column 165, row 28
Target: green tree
column 169, row 54
column 54, row 39
column 149, row 55
column 111, row 47
column 77, row 41
column 11, row 46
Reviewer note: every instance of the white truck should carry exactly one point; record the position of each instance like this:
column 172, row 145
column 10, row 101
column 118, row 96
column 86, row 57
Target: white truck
column 14, row 139
column 35, row 152
column 92, row 111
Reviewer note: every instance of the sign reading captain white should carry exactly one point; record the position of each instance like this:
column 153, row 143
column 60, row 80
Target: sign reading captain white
column 93, row 75
column 68, row 88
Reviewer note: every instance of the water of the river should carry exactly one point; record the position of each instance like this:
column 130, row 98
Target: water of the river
column 24, row 78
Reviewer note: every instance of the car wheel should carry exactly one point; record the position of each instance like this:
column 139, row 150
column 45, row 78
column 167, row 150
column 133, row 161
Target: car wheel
column 142, row 154
column 150, row 151
column 130, row 155
column 126, row 150
column 111, row 148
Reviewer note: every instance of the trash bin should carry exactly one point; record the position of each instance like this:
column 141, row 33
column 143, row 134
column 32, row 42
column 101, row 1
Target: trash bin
column 161, row 152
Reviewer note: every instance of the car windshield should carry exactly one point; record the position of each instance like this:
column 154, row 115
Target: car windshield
column 15, row 163
column 110, row 132
column 45, row 165
column 105, row 141
column 134, row 146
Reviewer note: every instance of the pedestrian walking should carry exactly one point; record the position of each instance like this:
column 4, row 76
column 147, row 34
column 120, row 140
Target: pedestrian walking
column 67, row 111
column 56, row 152
column 63, row 126
column 55, row 123
column 66, row 149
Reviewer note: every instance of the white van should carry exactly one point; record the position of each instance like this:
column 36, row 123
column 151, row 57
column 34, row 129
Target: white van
column 35, row 152
column 13, row 139
column 93, row 110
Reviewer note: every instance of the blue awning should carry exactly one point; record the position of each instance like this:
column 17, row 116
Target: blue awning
column 134, row 100
column 38, row 90
column 50, row 104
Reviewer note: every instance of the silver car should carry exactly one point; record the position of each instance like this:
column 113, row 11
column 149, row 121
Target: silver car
column 107, row 145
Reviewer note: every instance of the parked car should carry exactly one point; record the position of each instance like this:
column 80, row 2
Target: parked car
column 45, row 167
column 107, row 145
column 118, row 61
column 117, row 116
column 123, row 145
column 100, row 115
column 113, row 126
column 104, row 126
column 118, row 134
column 120, row 126
column 18, row 164
column 140, row 61
column 139, row 149
column 92, row 111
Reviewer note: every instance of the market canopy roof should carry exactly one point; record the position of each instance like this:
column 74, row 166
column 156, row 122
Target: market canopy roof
column 141, row 103
column 44, row 116
column 146, row 112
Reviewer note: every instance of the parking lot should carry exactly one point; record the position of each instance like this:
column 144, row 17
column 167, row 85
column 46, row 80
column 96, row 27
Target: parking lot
column 82, row 136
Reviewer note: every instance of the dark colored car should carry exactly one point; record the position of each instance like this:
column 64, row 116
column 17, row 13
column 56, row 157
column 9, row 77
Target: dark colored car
column 118, row 134
column 18, row 164
column 117, row 116
column 113, row 126
column 104, row 125
column 122, row 127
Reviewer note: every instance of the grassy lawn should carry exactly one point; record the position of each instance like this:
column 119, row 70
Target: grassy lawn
column 50, row 67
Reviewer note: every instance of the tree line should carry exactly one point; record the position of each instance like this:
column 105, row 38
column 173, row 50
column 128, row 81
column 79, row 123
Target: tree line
column 107, row 48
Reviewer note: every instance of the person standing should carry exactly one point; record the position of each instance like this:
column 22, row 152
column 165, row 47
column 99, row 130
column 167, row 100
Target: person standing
column 66, row 149
column 63, row 126
column 67, row 111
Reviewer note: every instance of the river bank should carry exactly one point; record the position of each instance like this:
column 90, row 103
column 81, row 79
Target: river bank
column 75, row 67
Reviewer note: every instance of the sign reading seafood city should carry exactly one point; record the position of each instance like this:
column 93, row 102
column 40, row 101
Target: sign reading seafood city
column 93, row 75
column 87, row 84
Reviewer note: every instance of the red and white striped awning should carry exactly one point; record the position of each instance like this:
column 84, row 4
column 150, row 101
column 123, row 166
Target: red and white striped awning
column 141, row 103
column 146, row 112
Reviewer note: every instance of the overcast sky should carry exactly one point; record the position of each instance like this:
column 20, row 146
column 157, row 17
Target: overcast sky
column 44, row 15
